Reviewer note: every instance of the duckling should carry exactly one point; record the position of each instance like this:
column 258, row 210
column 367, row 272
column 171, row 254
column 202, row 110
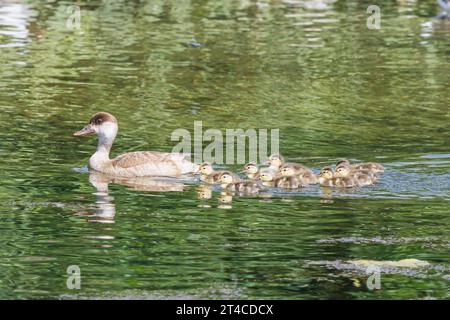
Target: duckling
column 303, row 173
column 208, row 174
column 362, row 177
column 252, row 171
column 327, row 178
column 373, row 167
column 275, row 161
column 269, row 178
column 230, row 182
column 292, row 182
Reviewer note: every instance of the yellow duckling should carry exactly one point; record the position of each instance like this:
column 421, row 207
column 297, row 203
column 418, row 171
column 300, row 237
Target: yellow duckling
column 231, row 182
column 252, row 171
column 208, row 174
column 304, row 174
column 373, row 167
column 327, row 178
column 362, row 177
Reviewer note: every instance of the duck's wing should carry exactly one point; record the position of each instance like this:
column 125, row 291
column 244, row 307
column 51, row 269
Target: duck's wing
column 154, row 163
column 133, row 159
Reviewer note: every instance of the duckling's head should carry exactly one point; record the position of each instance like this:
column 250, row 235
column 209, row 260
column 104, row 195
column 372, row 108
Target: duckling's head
column 287, row 171
column 250, row 168
column 326, row 173
column 342, row 162
column 342, row 170
column 103, row 124
column 275, row 160
column 266, row 176
column 226, row 178
column 206, row 168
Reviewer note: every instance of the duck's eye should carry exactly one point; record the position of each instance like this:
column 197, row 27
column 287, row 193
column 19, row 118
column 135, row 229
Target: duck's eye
column 99, row 121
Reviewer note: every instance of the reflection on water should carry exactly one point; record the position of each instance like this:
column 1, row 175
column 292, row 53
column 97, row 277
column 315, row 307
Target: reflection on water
column 309, row 68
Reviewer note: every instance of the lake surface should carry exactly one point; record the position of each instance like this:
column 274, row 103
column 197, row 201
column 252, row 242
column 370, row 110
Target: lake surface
column 313, row 70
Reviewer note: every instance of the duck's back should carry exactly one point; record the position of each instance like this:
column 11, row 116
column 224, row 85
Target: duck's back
column 151, row 163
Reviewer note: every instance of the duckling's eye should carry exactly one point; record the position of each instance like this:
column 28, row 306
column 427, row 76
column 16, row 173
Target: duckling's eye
column 98, row 121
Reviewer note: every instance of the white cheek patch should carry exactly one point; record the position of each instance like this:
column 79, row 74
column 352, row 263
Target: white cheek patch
column 107, row 132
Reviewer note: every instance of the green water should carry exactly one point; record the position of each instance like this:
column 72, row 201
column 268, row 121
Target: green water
column 331, row 86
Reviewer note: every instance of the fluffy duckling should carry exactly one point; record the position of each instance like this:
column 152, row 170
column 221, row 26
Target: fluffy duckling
column 327, row 178
column 362, row 177
column 275, row 161
column 252, row 171
column 208, row 174
column 373, row 167
column 269, row 178
column 230, row 182
column 292, row 182
column 303, row 173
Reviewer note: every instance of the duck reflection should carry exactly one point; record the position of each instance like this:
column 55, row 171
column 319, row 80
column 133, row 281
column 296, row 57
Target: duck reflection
column 105, row 209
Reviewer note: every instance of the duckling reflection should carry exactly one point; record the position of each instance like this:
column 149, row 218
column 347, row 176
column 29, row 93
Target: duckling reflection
column 204, row 192
column 225, row 200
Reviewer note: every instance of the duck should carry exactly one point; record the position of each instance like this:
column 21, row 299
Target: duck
column 363, row 177
column 229, row 182
column 373, row 167
column 327, row 178
column 131, row 164
column 252, row 171
column 269, row 178
column 291, row 182
column 209, row 175
column 275, row 161
column 304, row 174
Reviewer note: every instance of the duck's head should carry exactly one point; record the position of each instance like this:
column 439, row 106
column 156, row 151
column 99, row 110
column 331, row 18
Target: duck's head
column 206, row 168
column 342, row 162
column 266, row 176
column 342, row 170
column 326, row 173
column 250, row 168
column 287, row 171
column 275, row 160
column 103, row 124
column 226, row 178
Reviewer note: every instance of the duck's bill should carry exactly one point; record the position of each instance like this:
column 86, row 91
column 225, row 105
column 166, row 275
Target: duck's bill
column 85, row 131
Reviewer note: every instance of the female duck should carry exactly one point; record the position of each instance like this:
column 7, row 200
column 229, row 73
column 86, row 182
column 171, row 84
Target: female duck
column 132, row 164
